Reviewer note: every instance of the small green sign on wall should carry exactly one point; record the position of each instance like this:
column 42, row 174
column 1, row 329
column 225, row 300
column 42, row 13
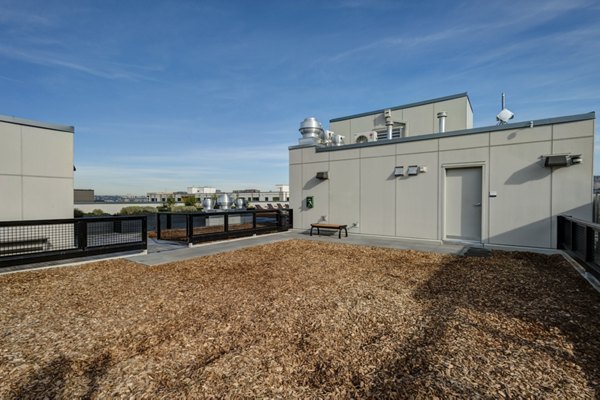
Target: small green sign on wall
column 310, row 202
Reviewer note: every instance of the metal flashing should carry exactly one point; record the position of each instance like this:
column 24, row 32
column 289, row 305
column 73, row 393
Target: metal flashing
column 419, row 103
column 493, row 128
column 36, row 124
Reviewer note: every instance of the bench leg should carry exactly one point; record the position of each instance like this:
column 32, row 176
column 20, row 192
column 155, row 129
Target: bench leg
column 346, row 230
column 311, row 228
column 340, row 233
column 318, row 231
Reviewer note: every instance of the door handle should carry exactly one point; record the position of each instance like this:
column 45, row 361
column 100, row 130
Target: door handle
column 477, row 204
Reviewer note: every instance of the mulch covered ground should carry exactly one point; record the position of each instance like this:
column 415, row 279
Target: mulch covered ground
column 306, row 320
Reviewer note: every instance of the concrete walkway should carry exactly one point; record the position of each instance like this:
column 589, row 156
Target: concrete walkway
column 173, row 253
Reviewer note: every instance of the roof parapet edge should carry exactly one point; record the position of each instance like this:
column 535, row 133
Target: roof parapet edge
column 37, row 124
column 403, row 106
column 492, row 128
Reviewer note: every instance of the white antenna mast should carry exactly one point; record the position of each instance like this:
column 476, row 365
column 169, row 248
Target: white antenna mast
column 505, row 115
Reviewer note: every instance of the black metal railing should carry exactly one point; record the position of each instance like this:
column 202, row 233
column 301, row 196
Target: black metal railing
column 217, row 225
column 25, row 242
column 582, row 240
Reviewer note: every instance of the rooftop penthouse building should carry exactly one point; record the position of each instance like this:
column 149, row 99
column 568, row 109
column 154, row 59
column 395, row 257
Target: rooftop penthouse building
column 422, row 171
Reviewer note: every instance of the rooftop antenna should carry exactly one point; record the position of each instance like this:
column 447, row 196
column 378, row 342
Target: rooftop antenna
column 505, row 115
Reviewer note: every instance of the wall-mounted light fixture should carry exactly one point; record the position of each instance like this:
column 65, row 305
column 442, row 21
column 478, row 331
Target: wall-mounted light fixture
column 323, row 175
column 413, row 170
column 561, row 160
column 399, row 171
column 576, row 159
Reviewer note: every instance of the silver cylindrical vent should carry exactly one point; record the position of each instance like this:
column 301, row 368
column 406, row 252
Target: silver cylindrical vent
column 311, row 130
column 442, row 121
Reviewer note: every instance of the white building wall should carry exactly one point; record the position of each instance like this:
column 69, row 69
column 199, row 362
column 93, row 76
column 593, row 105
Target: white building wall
column 36, row 170
column 362, row 188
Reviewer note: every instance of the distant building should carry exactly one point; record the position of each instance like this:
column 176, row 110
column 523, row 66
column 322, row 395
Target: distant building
column 179, row 197
column 36, row 170
column 84, row 196
column 201, row 190
column 281, row 194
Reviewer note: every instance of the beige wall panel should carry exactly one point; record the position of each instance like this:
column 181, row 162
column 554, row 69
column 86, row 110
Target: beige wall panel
column 521, row 135
column 310, row 155
column 10, row 149
column 319, row 189
column 469, row 115
column 520, row 215
column 377, row 194
column 378, row 151
column 567, row 182
column 341, row 128
column 416, row 198
column 364, row 124
column 475, row 155
column 47, row 198
column 10, row 198
column 465, row 142
column 573, row 129
column 420, row 120
column 420, row 146
column 457, row 114
column 47, row 153
column 344, row 187
column 296, row 156
column 344, row 154
column 295, row 203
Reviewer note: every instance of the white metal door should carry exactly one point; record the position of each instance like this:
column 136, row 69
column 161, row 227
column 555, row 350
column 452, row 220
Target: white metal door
column 463, row 203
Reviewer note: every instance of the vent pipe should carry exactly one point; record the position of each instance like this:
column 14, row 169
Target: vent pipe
column 389, row 123
column 442, row 121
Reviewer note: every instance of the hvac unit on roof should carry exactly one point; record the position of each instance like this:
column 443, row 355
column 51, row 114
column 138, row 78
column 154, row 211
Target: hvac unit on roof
column 364, row 137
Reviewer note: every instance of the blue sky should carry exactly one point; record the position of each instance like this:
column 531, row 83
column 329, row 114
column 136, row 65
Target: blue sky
column 169, row 94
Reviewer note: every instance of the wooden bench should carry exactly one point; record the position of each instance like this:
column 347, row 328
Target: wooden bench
column 329, row 226
column 23, row 246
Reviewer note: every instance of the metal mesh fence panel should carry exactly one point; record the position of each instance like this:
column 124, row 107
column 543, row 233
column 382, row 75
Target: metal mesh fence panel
column 27, row 239
column 108, row 233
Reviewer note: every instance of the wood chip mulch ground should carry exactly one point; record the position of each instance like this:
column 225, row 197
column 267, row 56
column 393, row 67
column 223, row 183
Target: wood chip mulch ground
column 300, row 319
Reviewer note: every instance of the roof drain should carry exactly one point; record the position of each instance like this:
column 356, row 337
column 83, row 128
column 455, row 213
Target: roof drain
column 442, row 121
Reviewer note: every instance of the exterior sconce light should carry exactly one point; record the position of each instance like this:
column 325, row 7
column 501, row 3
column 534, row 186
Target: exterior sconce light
column 413, row 170
column 399, row 171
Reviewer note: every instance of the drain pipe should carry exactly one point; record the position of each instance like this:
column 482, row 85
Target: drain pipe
column 442, row 121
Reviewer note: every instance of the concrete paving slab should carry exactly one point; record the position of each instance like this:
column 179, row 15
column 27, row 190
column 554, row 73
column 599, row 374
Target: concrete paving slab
column 157, row 258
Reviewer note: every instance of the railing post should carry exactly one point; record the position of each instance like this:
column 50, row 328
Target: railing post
column 589, row 244
column 560, row 222
column 226, row 222
column 189, row 227
column 573, row 243
column 254, row 220
column 145, row 231
column 157, row 226
column 169, row 221
column 82, row 234
column 290, row 218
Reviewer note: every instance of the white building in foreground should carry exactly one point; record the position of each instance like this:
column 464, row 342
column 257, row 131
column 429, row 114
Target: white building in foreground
column 502, row 184
column 36, row 170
